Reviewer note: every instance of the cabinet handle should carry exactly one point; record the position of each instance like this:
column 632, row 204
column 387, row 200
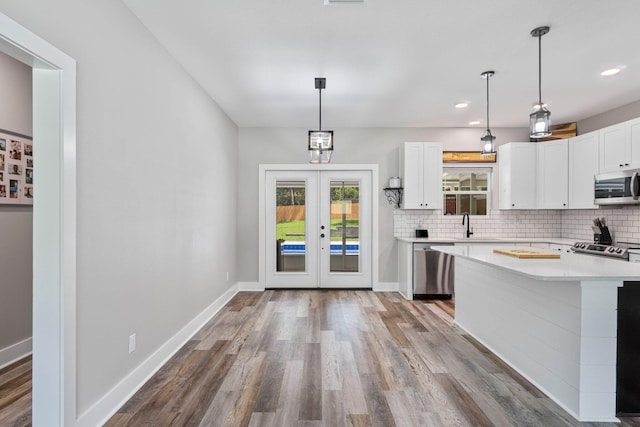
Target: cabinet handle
column 626, row 164
column 564, row 204
column 513, row 204
column 322, row 235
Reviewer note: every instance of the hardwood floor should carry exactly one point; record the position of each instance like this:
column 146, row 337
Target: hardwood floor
column 337, row 358
column 326, row 358
column 15, row 394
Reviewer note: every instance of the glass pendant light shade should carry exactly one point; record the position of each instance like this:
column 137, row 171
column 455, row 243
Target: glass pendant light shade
column 487, row 143
column 320, row 141
column 320, row 146
column 540, row 122
column 540, row 118
column 487, row 139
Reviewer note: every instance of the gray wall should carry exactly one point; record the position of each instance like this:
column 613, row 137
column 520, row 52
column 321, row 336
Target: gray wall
column 608, row 118
column 156, row 166
column 352, row 146
column 15, row 221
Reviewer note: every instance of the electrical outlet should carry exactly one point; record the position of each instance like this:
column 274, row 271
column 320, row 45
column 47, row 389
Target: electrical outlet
column 132, row 343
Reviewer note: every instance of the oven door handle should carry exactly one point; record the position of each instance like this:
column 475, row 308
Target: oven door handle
column 634, row 185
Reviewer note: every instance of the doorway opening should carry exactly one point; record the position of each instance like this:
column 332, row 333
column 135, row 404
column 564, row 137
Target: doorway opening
column 318, row 227
column 54, row 223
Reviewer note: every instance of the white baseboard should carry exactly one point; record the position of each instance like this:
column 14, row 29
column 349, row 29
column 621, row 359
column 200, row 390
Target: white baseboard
column 386, row 287
column 250, row 286
column 104, row 408
column 15, row 352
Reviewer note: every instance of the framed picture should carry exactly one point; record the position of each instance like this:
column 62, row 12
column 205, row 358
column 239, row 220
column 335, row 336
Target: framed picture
column 467, row 157
column 16, row 169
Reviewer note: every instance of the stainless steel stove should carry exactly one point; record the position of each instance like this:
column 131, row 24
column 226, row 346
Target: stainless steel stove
column 611, row 251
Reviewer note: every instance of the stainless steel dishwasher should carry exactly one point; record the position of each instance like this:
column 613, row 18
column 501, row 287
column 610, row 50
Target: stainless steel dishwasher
column 433, row 271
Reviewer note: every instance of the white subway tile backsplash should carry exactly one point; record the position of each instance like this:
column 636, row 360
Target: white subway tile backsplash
column 623, row 222
column 519, row 224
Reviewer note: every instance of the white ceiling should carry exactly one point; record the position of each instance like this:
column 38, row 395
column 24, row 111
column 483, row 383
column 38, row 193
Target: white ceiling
column 401, row 62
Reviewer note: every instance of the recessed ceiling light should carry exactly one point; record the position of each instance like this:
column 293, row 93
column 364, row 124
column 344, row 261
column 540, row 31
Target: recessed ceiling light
column 462, row 105
column 610, row 72
column 475, row 122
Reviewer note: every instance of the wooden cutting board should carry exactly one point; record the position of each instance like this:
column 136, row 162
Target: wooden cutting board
column 526, row 253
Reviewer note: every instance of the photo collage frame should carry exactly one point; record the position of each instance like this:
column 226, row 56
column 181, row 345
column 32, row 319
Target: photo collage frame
column 16, row 169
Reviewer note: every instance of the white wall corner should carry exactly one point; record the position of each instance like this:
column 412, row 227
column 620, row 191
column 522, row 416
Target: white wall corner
column 103, row 409
column 386, row 287
column 250, row 287
column 15, row 352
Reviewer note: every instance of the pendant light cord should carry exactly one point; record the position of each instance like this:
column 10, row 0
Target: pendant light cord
column 320, row 112
column 540, row 71
column 488, row 77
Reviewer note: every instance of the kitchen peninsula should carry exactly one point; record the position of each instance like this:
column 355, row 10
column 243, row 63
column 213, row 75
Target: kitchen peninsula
column 553, row 320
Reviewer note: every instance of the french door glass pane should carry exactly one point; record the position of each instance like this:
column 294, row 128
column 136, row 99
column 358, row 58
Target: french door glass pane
column 290, row 226
column 345, row 226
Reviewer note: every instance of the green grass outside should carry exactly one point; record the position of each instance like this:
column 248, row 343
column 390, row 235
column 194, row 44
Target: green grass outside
column 297, row 227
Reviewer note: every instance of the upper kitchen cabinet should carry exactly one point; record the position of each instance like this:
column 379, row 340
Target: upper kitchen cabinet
column 583, row 165
column 620, row 146
column 553, row 177
column 421, row 170
column 517, row 166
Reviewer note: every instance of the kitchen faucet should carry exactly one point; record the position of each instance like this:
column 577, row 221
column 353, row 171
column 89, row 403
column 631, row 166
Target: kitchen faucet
column 469, row 232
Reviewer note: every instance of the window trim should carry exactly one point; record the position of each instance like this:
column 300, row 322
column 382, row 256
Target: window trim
column 472, row 169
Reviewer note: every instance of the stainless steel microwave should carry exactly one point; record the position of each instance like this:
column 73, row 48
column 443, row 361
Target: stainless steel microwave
column 617, row 188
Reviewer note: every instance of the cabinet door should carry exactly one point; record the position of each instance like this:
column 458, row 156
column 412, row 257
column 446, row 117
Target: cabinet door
column 584, row 163
column 615, row 148
column 421, row 170
column 553, row 177
column 634, row 135
column 411, row 167
column 432, row 161
column 518, row 170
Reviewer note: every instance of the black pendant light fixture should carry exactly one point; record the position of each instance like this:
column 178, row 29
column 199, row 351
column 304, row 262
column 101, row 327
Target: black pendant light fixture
column 320, row 141
column 540, row 118
column 487, row 139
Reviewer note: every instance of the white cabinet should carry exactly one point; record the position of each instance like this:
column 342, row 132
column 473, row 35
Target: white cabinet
column 584, row 163
column 517, row 168
column 620, row 146
column 421, row 171
column 553, row 176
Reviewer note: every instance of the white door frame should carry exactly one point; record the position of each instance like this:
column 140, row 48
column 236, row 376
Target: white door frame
column 54, row 223
column 262, row 225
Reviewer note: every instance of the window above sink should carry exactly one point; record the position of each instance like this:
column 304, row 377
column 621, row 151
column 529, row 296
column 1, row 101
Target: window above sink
column 466, row 190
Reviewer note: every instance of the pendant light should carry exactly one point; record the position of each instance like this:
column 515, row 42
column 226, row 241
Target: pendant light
column 540, row 118
column 487, row 139
column 320, row 141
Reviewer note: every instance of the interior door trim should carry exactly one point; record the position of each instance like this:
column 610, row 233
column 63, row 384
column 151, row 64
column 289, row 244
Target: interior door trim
column 262, row 226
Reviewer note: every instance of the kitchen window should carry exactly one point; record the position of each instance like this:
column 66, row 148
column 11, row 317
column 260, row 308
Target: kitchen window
column 466, row 190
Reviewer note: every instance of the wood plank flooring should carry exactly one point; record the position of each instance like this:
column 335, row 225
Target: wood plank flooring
column 325, row 358
column 337, row 358
column 15, row 394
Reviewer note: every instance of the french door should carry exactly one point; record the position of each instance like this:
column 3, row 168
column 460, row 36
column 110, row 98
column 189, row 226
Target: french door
column 318, row 229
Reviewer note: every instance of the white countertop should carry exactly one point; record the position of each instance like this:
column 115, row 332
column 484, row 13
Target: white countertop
column 569, row 266
column 435, row 240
